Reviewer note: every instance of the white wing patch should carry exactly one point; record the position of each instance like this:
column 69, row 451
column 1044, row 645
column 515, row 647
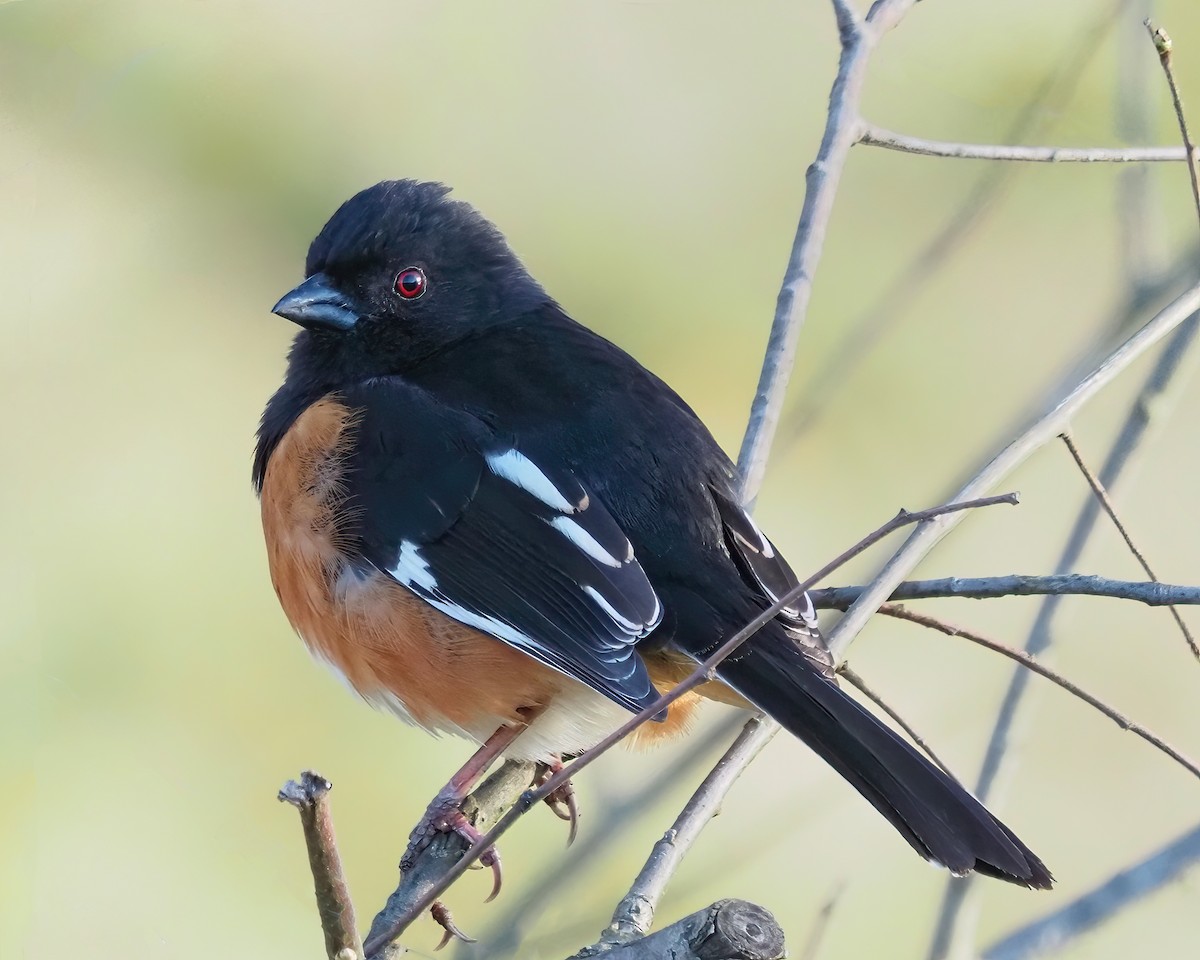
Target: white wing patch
column 596, row 605
column 634, row 628
column 586, row 542
column 522, row 472
column 412, row 569
column 764, row 545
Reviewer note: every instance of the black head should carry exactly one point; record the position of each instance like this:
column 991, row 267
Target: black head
column 399, row 272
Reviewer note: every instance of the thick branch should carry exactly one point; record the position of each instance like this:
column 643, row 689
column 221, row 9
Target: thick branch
column 1046, row 428
column 1051, row 933
column 1154, row 594
column 727, row 930
column 878, row 137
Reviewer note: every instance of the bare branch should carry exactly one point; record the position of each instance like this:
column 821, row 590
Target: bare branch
column 1109, row 508
column 1152, row 594
column 729, row 929
column 1150, row 409
column 382, row 934
column 1047, row 101
column 635, row 913
column 1023, row 658
column 861, row 685
column 1121, row 890
column 1106, row 502
column 1162, row 44
column 874, row 136
column 1048, row 426
column 310, row 796
column 842, row 130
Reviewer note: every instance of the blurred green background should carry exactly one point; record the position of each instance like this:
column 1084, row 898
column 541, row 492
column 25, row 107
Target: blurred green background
column 163, row 166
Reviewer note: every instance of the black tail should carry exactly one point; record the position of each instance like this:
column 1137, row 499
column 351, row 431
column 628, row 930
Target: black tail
column 942, row 821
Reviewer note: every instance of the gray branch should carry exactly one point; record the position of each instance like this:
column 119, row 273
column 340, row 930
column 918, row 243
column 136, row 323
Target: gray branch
column 635, row 913
column 1152, row 593
column 1045, row 428
column 863, row 332
column 878, row 137
column 727, row 930
column 954, row 928
column 1121, row 890
column 843, row 127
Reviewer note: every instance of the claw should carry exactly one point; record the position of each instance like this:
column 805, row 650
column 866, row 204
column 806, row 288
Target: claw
column 491, row 858
column 445, row 919
column 562, row 802
column 443, row 816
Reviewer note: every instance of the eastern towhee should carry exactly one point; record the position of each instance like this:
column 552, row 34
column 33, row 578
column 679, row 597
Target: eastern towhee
column 491, row 521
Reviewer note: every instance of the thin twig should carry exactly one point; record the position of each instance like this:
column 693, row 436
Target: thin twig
column 400, row 920
column 1162, row 44
column 1052, row 933
column 1047, row 101
column 1048, row 426
column 874, row 136
column 1023, row 658
column 1152, row 594
column 310, row 796
column 816, row 935
column 861, row 685
column 635, row 913
column 1109, row 508
column 842, row 129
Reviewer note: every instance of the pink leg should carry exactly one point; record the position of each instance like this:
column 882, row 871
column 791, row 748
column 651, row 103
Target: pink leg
column 443, row 815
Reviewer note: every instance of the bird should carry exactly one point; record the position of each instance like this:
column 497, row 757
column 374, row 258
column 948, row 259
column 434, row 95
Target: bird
column 493, row 522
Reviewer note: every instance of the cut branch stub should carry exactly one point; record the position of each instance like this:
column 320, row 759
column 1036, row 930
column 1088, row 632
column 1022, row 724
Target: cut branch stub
column 726, row 930
column 310, row 796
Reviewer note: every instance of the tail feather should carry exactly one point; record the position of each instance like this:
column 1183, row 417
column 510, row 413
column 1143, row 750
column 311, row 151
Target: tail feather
column 932, row 811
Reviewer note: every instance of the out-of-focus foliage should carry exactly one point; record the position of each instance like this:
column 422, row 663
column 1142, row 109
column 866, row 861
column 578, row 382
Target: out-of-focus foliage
column 163, row 165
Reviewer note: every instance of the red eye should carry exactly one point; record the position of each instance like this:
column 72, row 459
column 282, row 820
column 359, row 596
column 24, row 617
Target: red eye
column 410, row 283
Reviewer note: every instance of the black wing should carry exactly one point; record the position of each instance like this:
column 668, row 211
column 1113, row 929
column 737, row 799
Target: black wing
column 763, row 566
column 515, row 548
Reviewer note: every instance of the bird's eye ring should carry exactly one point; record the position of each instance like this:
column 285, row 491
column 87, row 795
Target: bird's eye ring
column 410, row 283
